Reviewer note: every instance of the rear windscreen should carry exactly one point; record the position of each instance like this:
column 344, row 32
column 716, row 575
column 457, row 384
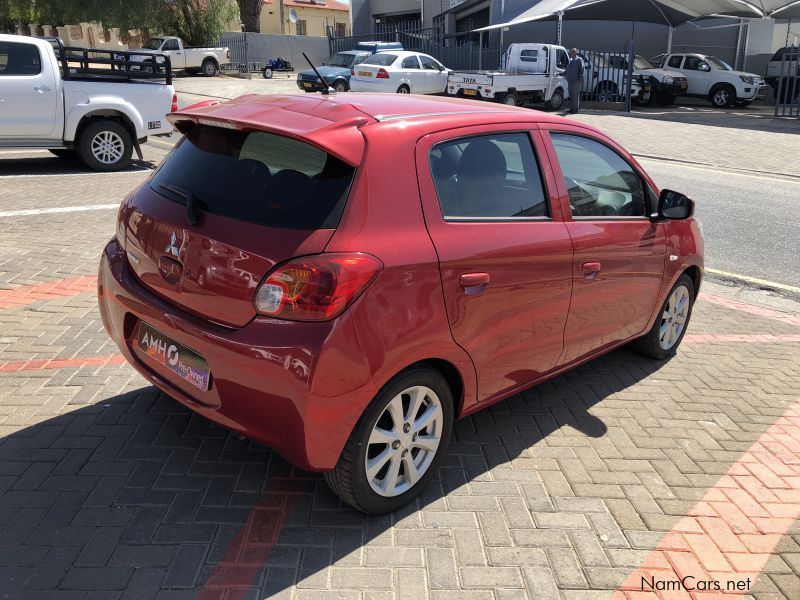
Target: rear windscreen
column 257, row 177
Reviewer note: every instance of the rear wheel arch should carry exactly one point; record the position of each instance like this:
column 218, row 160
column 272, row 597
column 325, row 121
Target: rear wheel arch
column 696, row 276
column 108, row 115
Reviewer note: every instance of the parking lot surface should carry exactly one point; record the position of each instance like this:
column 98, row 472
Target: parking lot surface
column 618, row 477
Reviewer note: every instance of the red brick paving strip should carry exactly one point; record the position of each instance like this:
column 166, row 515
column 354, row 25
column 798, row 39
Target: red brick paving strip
column 48, row 290
column 751, row 309
column 65, row 363
column 729, row 535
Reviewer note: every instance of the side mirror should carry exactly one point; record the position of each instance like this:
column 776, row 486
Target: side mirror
column 673, row 206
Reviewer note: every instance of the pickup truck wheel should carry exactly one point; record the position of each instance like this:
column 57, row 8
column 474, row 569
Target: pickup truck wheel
column 723, row 96
column 340, row 86
column 267, row 73
column 105, row 146
column 606, row 92
column 209, row 68
column 667, row 332
column 511, row 99
column 397, row 444
column 556, row 100
column 646, row 98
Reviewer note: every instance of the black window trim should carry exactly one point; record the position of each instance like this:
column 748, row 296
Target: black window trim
column 545, row 189
column 651, row 193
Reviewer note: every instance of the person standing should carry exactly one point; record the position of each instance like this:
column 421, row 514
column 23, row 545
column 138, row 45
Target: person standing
column 574, row 76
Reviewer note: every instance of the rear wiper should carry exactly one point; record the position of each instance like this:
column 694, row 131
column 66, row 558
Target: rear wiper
column 192, row 205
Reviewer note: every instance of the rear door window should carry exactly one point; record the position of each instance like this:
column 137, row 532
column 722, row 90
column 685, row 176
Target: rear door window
column 256, row 177
column 489, row 177
column 410, row 62
column 19, row 59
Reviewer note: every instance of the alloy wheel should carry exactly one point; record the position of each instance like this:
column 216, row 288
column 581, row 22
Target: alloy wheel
column 404, row 441
column 722, row 98
column 674, row 317
column 107, row 147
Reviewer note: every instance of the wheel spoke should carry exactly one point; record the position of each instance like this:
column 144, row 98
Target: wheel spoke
column 416, row 398
column 429, row 443
column 390, row 480
column 381, row 436
column 410, row 469
column 376, row 464
column 395, row 410
column 428, row 418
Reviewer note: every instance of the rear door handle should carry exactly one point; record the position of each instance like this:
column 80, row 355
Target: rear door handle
column 590, row 270
column 474, row 283
column 42, row 89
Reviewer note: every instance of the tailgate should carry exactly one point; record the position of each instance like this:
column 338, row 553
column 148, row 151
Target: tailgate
column 467, row 79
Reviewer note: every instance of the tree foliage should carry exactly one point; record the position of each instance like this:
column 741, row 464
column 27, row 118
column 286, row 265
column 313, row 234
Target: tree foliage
column 196, row 21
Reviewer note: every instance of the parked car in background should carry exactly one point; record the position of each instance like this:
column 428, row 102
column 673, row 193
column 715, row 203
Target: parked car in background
column 99, row 113
column 374, row 47
column 185, row 58
column 605, row 78
column 657, row 85
column 399, row 263
column 337, row 72
column 400, row 72
column 528, row 73
column 783, row 72
column 712, row 78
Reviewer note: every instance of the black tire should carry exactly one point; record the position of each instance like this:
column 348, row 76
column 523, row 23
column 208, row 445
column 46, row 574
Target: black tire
column 606, row 91
column 340, row 86
column 209, row 68
column 349, row 481
column 650, row 344
column 90, row 140
column 556, row 100
column 404, row 89
column 67, row 153
column 722, row 96
column 266, row 72
column 667, row 100
column 646, row 98
column 510, row 99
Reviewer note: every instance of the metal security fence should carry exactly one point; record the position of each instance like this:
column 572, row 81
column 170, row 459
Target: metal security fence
column 608, row 78
column 787, row 93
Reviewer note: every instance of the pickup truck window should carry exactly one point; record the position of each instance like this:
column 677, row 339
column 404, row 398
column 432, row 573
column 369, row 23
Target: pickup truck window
column 675, row 62
column 562, row 59
column 19, row 59
column 600, row 183
column 153, row 44
column 693, row 63
column 171, row 45
column 488, row 177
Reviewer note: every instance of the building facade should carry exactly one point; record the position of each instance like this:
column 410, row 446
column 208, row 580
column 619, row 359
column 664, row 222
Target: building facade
column 312, row 17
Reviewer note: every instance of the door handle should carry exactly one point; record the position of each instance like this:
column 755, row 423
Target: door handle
column 590, row 270
column 42, row 89
column 474, row 283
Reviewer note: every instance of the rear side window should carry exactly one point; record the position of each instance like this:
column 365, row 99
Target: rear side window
column 382, row 59
column 257, row 177
column 488, row 177
column 19, row 59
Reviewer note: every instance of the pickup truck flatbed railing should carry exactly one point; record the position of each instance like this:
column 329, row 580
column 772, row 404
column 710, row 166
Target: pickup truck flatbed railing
column 99, row 64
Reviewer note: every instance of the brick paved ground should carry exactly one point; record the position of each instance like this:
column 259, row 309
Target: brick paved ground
column 109, row 489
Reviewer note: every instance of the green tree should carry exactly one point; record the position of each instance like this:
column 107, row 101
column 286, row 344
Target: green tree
column 197, row 21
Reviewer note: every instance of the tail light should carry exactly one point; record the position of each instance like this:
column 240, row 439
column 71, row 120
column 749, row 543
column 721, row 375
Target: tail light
column 353, row 71
column 382, row 74
column 228, row 53
column 174, row 107
column 316, row 288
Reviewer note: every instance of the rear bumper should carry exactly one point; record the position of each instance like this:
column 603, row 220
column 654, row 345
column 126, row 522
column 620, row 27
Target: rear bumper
column 296, row 387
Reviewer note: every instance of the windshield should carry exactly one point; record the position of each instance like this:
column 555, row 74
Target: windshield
column 342, row 60
column 381, row 59
column 641, row 63
column 257, row 177
column 718, row 64
column 153, row 44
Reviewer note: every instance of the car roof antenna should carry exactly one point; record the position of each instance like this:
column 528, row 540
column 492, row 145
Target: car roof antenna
column 327, row 88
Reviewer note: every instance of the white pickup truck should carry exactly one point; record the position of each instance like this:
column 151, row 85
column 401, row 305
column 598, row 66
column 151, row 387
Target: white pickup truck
column 530, row 73
column 80, row 102
column 184, row 58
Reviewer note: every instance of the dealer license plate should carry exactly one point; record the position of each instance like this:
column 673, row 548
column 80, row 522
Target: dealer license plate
column 365, row 73
column 184, row 362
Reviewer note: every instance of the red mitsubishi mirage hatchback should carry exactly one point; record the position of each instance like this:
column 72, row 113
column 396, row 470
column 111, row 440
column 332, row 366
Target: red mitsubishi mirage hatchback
column 340, row 277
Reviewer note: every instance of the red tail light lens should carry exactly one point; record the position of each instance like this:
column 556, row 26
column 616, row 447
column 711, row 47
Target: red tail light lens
column 174, row 103
column 228, row 53
column 382, row 74
column 316, row 288
column 353, row 71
